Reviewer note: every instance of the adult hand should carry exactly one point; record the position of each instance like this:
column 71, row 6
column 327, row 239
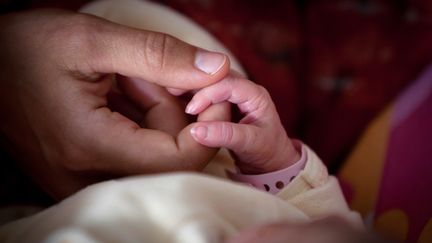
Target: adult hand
column 58, row 98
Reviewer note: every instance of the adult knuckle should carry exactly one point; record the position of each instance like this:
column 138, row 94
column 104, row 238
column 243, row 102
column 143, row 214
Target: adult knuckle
column 78, row 36
column 78, row 32
column 157, row 49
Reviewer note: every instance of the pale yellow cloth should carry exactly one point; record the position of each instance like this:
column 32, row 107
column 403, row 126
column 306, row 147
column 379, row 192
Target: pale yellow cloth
column 180, row 207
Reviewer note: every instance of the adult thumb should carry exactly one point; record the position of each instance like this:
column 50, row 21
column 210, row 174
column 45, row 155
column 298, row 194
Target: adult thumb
column 155, row 57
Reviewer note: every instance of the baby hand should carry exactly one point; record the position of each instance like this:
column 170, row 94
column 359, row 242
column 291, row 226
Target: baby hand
column 259, row 141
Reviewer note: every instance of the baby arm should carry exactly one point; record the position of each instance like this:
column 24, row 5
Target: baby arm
column 258, row 142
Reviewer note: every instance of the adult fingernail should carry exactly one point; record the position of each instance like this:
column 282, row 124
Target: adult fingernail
column 209, row 62
column 199, row 132
column 176, row 92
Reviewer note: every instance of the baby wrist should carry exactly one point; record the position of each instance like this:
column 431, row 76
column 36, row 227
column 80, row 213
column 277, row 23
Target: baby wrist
column 273, row 181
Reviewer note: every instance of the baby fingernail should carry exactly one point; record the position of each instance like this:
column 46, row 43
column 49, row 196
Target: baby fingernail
column 199, row 132
column 190, row 108
column 209, row 62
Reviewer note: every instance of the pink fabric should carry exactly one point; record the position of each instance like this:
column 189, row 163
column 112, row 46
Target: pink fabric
column 406, row 179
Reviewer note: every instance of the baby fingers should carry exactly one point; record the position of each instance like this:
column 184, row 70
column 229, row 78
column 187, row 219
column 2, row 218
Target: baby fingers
column 251, row 98
column 235, row 137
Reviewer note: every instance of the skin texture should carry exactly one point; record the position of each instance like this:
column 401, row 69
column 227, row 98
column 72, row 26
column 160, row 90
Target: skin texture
column 83, row 99
column 259, row 141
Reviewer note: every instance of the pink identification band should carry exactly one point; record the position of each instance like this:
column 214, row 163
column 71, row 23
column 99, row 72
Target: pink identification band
column 274, row 181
